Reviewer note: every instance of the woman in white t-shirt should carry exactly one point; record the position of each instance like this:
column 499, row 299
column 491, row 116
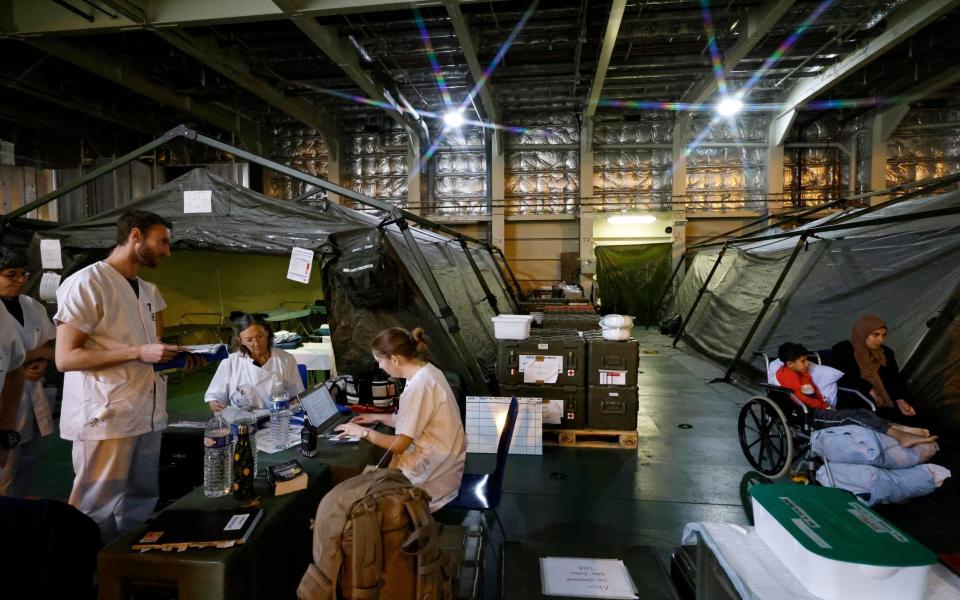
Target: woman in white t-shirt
column 247, row 377
column 429, row 444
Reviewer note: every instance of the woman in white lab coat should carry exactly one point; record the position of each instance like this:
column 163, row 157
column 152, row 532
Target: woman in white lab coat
column 246, row 379
column 36, row 331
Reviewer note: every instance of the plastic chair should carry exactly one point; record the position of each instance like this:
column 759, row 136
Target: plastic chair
column 481, row 491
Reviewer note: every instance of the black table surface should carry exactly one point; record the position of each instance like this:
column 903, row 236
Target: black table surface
column 520, row 568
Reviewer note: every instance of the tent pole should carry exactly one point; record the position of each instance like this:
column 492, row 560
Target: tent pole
column 766, row 306
column 666, row 289
column 326, row 185
column 81, row 181
column 446, row 313
column 518, row 293
column 842, row 223
column 511, row 292
column 491, row 299
column 703, row 289
column 783, row 219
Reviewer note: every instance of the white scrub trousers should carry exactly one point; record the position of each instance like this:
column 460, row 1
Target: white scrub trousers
column 117, row 481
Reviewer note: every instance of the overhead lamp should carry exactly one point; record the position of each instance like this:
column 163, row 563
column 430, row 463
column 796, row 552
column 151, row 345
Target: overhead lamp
column 630, row 219
column 729, row 106
column 453, row 119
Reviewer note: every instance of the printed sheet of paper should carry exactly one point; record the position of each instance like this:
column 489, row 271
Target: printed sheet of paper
column 48, row 287
column 50, row 255
column 540, row 369
column 586, row 578
column 301, row 261
column 195, row 202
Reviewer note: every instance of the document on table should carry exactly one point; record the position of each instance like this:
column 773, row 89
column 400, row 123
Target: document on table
column 48, row 287
column 586, row 578
column 301, row 261
column 50, row 255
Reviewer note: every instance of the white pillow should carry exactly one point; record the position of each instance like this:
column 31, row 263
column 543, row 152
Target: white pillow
column 824, row 377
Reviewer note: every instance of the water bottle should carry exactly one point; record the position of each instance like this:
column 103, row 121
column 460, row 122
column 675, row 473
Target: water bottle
column 243, row 469
column 279, row 416
column 217, row 466
column 308, row 439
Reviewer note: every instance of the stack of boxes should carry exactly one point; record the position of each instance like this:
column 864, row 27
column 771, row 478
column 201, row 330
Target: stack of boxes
column 596, row 379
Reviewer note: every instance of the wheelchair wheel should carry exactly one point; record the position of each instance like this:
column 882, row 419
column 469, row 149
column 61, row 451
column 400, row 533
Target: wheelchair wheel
column 765, row 437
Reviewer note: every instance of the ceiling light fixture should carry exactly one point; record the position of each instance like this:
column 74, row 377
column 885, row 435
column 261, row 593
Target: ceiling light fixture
column 453, row 119
column 729, row 106
column 630, row 219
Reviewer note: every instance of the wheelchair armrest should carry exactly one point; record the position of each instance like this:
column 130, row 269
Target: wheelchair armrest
column 787, row 392
column 859, row 395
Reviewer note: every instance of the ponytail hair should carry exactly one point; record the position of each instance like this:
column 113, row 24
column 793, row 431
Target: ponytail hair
column 400, row 342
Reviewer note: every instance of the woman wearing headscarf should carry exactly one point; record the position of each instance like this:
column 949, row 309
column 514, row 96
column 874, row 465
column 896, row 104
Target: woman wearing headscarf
column 871, row 368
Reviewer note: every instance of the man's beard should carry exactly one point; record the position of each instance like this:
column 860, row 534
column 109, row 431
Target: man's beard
column 146, row 256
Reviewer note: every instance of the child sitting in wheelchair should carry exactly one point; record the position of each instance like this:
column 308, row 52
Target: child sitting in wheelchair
column 795, row 376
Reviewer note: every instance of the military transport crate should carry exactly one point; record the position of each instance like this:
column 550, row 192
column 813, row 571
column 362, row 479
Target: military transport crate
column 564, row 355
column 612, row 408
column 564, row 407
column 612, row 362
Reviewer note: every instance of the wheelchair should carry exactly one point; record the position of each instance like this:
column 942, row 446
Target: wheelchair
column 774, row 430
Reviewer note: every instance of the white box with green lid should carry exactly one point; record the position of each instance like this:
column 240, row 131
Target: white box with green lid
column 836, row 547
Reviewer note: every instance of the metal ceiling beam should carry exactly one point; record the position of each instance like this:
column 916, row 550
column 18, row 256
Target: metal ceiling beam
column 476, row 70
column 344, row 56
column 132, row 78
column 35, row 17
column 207, row 51
column 606, row 51
column 904, row 22
column 759, row 23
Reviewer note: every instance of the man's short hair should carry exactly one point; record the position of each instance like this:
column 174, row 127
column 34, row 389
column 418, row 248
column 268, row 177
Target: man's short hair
column 138, row 219
column 789, row 352
column 12, row 258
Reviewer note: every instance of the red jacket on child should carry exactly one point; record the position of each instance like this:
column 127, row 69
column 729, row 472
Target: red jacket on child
column 796, row 382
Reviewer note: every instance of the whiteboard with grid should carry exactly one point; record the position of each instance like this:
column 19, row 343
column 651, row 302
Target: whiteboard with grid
column 485, row 413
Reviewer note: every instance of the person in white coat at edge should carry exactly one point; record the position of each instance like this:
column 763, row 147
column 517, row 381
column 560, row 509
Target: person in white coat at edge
column 114, row 405
column 246, row 379
column 429, row 445
column 36, row 333
column 11, row 384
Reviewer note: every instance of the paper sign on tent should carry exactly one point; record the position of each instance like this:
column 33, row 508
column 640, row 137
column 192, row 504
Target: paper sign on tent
column 197, row 201
column 301, row 262
column 50, row 255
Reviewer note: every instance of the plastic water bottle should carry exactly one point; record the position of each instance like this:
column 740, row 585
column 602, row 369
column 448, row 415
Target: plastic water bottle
column 217, row 462
column 279, row 416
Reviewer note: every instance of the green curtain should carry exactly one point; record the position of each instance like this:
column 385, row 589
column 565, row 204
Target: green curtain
column 631, row 278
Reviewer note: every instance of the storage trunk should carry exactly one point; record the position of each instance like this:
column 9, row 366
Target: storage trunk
column 612, row 408
column 612, row 363
column 568, row 351
column 574, row 413
column 577, row 321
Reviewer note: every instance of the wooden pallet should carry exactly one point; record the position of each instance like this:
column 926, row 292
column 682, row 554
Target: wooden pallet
column 590, row 438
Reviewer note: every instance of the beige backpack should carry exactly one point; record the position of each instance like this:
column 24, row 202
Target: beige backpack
column 373, row 538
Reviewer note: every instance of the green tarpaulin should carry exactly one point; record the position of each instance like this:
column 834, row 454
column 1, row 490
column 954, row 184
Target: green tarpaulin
column 631, row 278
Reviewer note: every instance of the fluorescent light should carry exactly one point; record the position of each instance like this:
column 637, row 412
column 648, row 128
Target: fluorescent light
column 729, row 106
column 453, row 119
column 630, row 219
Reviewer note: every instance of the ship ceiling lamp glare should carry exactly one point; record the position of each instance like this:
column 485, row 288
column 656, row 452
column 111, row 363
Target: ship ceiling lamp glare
column 453, row 119
column 728, row 106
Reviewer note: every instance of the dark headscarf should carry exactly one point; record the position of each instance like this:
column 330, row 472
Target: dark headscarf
column 869, row 360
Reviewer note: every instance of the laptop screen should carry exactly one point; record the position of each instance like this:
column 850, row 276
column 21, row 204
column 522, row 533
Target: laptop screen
column 319, row 405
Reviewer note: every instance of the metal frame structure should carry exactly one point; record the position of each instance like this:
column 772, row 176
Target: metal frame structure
column 396, row 215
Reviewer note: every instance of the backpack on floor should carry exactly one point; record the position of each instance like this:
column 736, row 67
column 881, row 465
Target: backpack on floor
column 373, row 538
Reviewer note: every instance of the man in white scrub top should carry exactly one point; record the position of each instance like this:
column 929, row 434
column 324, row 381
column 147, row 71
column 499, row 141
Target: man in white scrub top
column 114, row 404
column 11, row 384
column 36, row 332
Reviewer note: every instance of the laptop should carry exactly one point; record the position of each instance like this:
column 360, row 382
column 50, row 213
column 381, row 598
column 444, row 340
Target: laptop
column 322, row 410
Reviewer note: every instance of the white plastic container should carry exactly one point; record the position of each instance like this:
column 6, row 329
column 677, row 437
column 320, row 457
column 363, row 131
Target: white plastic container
column 829, row 526
column 616, row 322
column 512, row 327
column 616, row 335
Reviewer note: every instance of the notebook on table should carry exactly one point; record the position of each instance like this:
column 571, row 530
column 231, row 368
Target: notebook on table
column 180, row 529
